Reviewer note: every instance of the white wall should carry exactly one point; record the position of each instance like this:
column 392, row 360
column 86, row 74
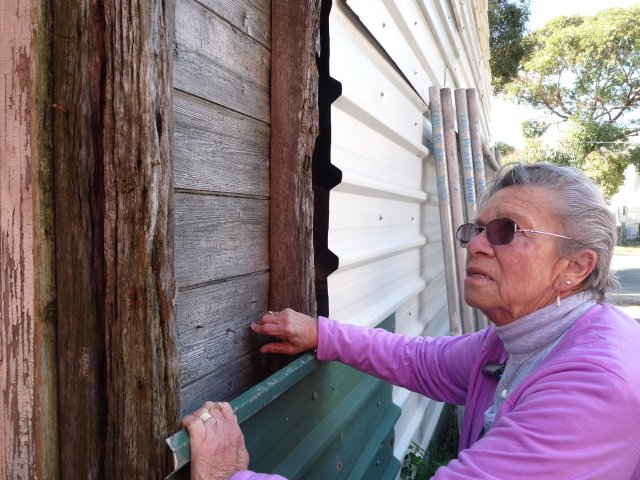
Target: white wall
column 384, row 221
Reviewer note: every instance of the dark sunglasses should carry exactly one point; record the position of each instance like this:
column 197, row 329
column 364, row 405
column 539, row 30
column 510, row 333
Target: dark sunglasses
column 499, row 232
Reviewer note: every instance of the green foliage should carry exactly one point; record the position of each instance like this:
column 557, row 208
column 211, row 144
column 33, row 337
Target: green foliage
column 504, row 148
column 594, row 148
column 586, row 67
column 418, row 464
column 585, row 70
column 421, row 464
column 507, row 22
column 534, row 128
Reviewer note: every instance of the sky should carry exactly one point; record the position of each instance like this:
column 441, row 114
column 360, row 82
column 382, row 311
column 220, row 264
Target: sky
column 506, row 116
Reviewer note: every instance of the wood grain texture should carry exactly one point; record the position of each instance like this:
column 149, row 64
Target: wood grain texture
column 28, row 391
column 214, row 323
column 218, row 237
column 118, row 380
column 294, row 128
column 218, row 63
column 228, row 381
column 217, row 149
column 253, row 17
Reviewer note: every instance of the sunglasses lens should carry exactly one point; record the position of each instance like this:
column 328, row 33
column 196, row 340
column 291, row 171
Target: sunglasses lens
column 501, row 231
column 466, row 233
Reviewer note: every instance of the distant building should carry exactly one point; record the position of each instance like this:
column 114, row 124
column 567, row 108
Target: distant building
column 626, row 205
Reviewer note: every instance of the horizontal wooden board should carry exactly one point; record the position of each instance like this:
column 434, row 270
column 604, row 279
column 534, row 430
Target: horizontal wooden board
column 217, row 149
column 228, row 381
column 218, row 237
column 213, row 323
column 216, row 62
column 253, row 17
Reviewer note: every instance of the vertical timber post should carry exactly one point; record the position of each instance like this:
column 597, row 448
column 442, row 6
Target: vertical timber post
column 457, row 215
column 28, row 398
column 466, row 160
column 112, row 141
column 464, row 144
column 294, row 128
column 478, row 166
column 453, row 295
column 476, row 142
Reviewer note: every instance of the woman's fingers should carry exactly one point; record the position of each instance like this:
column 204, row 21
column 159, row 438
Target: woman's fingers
column 224, row 409
column 271, row 329
column 195, row 426
column 297, row 332
column 280, row 347
column 222, row 453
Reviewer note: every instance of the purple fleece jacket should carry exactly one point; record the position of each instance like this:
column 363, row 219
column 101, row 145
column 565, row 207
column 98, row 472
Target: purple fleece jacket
column 577, row 416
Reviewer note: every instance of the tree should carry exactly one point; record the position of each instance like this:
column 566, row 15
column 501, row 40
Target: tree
column 507, row 26
column 586, row 71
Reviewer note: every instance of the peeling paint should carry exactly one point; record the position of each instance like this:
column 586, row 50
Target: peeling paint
column 17, row 331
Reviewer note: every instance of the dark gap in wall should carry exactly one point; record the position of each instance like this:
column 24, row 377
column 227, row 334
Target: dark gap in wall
column 325, row 175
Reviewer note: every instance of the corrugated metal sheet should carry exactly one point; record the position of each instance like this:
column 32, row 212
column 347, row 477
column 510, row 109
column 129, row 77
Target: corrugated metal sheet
column 431, row 42
column 384, row 221
column 314, row 420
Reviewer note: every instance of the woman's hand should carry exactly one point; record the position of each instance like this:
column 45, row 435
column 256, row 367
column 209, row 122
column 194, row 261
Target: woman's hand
column 297, row 332
column 217, row 444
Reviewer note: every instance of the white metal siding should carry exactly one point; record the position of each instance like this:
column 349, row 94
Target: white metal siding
column 384, row 223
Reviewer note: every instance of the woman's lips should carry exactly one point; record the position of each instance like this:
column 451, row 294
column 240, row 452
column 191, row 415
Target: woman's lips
column 478, row 275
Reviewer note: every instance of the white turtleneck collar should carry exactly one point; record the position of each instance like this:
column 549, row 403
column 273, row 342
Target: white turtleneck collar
column 529, row 339
column 536, row 330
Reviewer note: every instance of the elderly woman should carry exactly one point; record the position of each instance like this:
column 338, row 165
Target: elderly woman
column 568, row 402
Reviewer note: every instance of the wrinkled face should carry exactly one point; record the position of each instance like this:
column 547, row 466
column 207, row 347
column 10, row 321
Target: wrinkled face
column 510, row 281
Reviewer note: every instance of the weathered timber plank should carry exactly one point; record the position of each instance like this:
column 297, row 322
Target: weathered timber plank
column 228, row 381
column 28, row 390
column 253, row 17
column 213, row 323
column 112, row 138
column 218, row 237
column 294, row 109
column 216, row 62
column 217, row 149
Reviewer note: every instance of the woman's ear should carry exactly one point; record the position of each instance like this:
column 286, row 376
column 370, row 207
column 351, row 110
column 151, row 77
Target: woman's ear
column 580, row 264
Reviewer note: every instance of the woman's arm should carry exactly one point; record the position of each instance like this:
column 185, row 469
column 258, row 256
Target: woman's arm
column 439, row 368
column 581, row 421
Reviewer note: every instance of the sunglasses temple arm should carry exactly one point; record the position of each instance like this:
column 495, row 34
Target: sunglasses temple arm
column 546, row 233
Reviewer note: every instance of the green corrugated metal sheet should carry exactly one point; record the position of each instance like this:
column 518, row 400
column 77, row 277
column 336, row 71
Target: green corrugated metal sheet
column 315, row 420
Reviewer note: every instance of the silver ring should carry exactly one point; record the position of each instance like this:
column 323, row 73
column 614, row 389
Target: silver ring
column 205, row 416
column 270, row 313
column 216, row 406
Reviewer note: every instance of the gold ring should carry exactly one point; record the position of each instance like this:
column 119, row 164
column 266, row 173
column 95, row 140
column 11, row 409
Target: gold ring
column 216, row 406
column 205, row 416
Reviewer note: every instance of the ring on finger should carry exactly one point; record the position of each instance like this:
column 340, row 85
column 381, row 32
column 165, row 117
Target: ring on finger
column 205, row 416
column 216, row 406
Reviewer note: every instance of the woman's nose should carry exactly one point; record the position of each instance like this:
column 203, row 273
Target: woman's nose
column 480, row 244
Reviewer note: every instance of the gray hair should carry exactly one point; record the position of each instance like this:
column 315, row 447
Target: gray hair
column 583, row 213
